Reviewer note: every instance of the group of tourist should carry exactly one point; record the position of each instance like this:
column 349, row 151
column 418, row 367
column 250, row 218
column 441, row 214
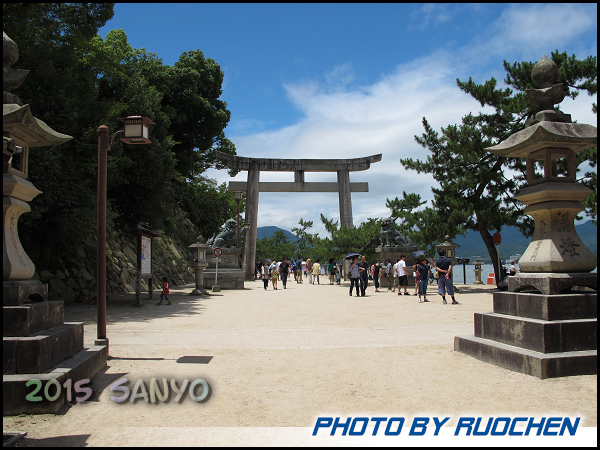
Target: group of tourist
column 298, row 269
column 360, row 272
column 422, row 270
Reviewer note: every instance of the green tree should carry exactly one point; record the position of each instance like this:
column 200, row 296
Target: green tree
column 54, row 40
column 305, row 240
column 346, row 240
column 276, row 247
column 209, row 205
column 78, row 81
column 476, row 188
column 198, row 117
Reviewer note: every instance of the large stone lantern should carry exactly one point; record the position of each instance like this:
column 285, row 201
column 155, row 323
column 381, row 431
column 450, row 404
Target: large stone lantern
column 200, row 263
column 545, row 325
column 36, row 342
column 552, row 199
column 21, row 131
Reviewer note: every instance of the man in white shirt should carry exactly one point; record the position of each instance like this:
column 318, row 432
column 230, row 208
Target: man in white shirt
column 402, row 275
column 395, row 272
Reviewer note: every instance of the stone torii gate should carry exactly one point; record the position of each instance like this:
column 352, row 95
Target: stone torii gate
column 253, row 186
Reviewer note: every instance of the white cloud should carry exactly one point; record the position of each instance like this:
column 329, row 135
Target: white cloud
column 430, row 14
column 383, row 117
column 526, row 31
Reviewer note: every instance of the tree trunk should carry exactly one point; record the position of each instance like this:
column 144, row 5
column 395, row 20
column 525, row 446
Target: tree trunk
column 489, row 243
column 369, row 244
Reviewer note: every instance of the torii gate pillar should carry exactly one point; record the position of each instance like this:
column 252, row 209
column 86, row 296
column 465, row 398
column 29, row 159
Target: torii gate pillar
column 251, row 224
column 254, row 166
column 345, row 199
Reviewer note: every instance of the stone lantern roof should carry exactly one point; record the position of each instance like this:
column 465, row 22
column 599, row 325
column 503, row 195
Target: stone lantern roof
column 17, row 119
column 20, row 123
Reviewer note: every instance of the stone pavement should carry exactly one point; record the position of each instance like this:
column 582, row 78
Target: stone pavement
column 276, row 360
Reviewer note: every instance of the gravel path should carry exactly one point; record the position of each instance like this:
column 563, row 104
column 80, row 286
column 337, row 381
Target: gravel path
column 276, row 360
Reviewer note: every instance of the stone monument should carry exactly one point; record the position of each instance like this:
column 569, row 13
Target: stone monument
column 546, row 324
column 229, row 275
column 36, row 343
column 393, row 245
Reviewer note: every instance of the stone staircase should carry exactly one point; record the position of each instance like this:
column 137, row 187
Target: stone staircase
column 38, row 344
column 546, row 336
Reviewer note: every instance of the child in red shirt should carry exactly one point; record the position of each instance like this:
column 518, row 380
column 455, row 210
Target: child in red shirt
column 165, row 291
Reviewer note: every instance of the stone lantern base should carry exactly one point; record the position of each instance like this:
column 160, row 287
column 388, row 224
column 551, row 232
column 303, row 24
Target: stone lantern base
column 541, row 327
column 38, row 344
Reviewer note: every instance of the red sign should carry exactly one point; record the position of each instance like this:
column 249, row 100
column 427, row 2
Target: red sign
column 217, row 252
column 497, row 238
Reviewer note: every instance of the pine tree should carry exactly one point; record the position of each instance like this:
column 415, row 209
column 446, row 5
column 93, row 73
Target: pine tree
column 477, row 188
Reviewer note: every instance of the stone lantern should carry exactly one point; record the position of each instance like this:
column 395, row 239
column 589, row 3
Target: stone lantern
column 200, row 263
column 477, row 271
column 553, row 200
column 544, row 326
column 21, row 131
column 36, row 342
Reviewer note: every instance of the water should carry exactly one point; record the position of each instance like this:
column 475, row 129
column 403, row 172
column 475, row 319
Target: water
column 486, row 269
column 470, row 272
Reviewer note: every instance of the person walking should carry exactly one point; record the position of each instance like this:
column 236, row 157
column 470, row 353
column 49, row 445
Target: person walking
column 331, row 271
column 444, row 266
column 388, row 273
column 395, row 276
column 298, row 269
column 354, row 275
column 308, row 268
column 165, row 291
column 416, row 276
column 402, row 275
column 316, row 271
column 338, row 271
column 363, row 267
column 376, row 271
column 274, row 275
column 423, row 270
column 284, row 269
column 265, row 275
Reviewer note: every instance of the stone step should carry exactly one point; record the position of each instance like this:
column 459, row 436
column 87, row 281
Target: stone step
column 30, row 318
column 85, row 364
column 538, row 335
column 541, row 365
column 42, row 350
column 547, row 307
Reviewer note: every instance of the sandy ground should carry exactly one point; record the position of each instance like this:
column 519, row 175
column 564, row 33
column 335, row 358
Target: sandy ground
column 283, row 358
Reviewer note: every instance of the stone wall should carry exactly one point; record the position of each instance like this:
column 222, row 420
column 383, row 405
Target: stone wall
column 76, row 280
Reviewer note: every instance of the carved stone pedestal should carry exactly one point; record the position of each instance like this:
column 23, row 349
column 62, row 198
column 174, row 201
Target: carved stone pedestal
column 542, row 335
column 38, row 344
column 230, row 275
column 394, row 253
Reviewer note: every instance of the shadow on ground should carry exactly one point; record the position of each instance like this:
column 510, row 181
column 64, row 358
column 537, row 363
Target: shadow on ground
column 122, row 308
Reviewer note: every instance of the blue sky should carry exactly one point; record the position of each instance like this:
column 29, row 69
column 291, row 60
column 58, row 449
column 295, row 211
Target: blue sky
column 351, row 80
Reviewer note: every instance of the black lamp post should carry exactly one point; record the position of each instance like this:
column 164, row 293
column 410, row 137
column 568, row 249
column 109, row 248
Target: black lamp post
column 463, row 261
column 135, row 131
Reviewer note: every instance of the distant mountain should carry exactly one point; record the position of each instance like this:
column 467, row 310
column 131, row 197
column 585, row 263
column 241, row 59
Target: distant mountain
column 263, row 232
column 514, row 242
